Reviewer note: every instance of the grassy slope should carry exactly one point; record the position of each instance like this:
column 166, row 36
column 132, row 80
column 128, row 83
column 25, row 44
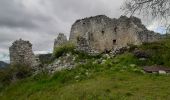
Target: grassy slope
column 118, row 86
column 119, row 78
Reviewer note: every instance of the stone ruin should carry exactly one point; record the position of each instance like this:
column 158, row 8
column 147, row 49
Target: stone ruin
column 93, row 35
column 21, row 53
column 60, row 40
column 103, row 34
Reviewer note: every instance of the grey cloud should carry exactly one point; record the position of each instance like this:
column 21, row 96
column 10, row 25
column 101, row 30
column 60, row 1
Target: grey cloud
column 39, row 21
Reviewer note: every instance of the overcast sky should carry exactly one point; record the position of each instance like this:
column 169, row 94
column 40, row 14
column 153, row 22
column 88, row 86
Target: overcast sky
column 40, row 21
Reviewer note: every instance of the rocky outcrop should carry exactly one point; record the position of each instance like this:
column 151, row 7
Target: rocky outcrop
column 66, row 61
column 60, row 40
column 21, row 53
column 102, row 34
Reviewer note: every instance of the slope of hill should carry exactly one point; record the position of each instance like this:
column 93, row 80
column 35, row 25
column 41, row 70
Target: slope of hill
column 3, row 64
column 116, row 78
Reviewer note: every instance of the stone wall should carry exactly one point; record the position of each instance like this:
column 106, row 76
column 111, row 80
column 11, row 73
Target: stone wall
column 102, row 33
column 21, row 53
column 98, row 31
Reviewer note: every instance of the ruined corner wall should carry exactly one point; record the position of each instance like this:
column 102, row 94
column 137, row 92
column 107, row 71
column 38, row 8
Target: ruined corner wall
column 101, row 33
column 21, row 53
column 98, row 32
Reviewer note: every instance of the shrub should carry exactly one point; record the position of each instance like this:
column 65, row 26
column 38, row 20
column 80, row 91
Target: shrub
column 45, row 58
column 59, row 51
column 84, row 55
column 132, row 47
column 126, row 59
column 160, row 52
column 5, row 76
column 21, row 71
column 70, row 48
column 13, row 73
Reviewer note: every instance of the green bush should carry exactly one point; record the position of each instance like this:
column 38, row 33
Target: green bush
column 13, row 73
column 126, row 59
column 70, row 48
column 84, row 55
column 132, row 47
column 160, row 52
column 5, row 76
column 59, row 51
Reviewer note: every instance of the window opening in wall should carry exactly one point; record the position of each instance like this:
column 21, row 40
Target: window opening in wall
column 103, row 32
column 114, row 42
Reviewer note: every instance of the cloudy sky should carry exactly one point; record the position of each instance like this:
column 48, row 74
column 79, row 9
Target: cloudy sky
column 40, row 21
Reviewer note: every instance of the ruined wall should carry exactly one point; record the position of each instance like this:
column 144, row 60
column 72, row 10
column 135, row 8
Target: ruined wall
column 104, row 34
column 98, row 31
column 21, row 53
column 60, row 40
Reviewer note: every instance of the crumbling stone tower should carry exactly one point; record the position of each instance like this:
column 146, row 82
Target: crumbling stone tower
column 21, row 53
column 60, row 40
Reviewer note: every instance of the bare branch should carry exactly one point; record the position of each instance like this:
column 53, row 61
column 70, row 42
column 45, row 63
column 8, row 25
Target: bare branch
column 156, row 8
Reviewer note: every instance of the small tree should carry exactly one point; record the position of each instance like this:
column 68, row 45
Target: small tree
column 168, row 30
column 156, row 8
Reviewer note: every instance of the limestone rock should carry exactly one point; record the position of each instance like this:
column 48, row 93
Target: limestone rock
column 162, row 72
column 65, row 62
column 103, row 34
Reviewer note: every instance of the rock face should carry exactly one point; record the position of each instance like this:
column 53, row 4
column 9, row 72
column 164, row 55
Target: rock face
column 21, row 53
column 60, row 40
column 101, row 33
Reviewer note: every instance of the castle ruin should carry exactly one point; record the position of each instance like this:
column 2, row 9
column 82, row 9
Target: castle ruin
column 101, row 33
column 93, row 35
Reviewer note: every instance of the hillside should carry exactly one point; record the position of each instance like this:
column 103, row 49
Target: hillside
column 119, row 77
column 3, row 64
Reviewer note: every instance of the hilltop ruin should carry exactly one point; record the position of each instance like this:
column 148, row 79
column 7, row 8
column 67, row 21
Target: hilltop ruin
column 93, row 35
column 101, row 33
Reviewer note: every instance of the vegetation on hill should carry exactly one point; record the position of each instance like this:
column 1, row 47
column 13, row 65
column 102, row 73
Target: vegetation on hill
column 3, row 64
column 116, row 78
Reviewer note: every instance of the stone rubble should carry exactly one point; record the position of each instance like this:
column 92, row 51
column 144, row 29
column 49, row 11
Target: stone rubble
column 65, row 62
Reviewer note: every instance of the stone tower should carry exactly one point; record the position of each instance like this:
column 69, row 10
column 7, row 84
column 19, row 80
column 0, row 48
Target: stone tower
column 60, row 40
column 21, row 53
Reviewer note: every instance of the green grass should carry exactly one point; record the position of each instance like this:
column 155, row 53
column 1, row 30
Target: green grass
column 118, row 78
column 59, row 51
column 104, row 86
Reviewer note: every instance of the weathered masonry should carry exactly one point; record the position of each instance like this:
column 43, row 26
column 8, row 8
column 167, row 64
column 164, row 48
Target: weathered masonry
column 21, row 53
column 101, row 33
